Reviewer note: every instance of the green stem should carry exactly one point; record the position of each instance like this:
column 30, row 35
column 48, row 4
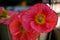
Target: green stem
column 50, row 36
column 8, row 33
column 39, row 37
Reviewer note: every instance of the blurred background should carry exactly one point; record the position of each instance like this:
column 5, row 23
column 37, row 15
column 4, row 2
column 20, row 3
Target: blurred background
column 21, row 5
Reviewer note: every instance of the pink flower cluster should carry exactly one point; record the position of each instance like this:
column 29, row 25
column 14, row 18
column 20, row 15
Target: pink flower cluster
column 28, row 25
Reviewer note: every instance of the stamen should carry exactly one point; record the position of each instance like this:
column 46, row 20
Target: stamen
column 40, row 19
column 21, row 29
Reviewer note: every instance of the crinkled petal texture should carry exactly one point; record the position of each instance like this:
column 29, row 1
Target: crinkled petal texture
column 17, row 34
column 48, row 23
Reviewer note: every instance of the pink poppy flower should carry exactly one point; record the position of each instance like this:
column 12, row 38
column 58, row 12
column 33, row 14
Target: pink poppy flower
column 11, row 14
column 5, row 16
column 39, row 17
column 18, row 32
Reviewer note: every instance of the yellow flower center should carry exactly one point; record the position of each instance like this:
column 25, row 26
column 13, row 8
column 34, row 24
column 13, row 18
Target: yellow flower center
column 4, row 14
column 40, row 18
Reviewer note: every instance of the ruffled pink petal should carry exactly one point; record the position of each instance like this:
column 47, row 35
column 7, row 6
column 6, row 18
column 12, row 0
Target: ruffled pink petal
column 32, row 10
column 23, row 37
column 27, row 27
column 13, row 28
column 35, row 27
column 49, row 27
column 15, row 16
column 6, row 22
column 46, row 28
column 52, row 19
column 1, row 21
column 25, row 22
column 41, row 28
column 32, row 37
column 1, row 8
